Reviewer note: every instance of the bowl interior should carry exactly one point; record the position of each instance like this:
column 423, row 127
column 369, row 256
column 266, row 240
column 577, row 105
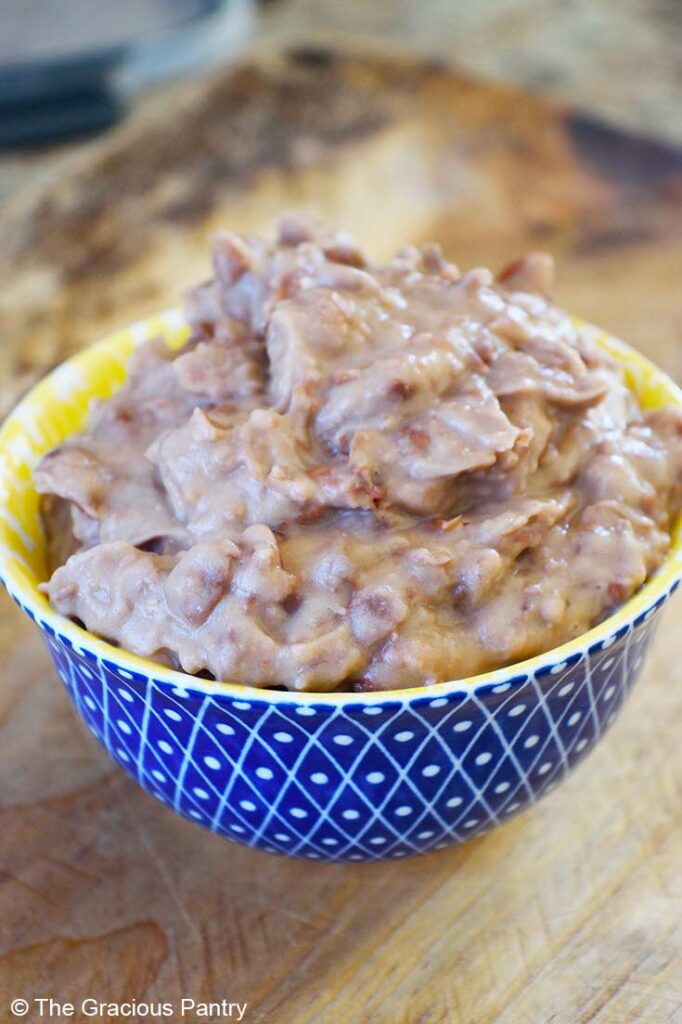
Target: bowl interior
column 59, row 406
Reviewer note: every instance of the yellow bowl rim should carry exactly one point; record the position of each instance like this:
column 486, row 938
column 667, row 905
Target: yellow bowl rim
column 17, row 582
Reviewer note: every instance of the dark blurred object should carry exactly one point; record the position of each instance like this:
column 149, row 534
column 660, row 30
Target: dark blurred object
column 68, row 66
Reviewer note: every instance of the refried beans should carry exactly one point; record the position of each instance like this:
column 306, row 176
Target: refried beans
column 360, row 477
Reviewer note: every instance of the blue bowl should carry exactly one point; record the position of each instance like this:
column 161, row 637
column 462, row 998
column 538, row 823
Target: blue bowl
column 322, row 776
column 354, row 779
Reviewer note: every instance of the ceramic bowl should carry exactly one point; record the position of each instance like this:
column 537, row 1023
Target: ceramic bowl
column 323, row 776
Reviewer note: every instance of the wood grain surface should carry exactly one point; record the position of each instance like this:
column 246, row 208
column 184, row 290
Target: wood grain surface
column 571, row 913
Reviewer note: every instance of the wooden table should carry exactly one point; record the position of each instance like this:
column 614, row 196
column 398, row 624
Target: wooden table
column 571, row 913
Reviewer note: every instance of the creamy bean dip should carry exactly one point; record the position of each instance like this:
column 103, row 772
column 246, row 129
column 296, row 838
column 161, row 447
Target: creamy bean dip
column 360, row 477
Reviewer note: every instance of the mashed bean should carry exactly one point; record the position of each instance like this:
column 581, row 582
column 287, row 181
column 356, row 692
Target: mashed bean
column 360, row 477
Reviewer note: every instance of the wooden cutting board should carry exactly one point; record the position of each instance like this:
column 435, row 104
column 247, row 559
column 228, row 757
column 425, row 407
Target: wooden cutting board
column 573, row 912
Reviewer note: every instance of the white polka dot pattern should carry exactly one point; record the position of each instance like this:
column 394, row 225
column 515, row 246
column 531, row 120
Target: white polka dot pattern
column 353, row 780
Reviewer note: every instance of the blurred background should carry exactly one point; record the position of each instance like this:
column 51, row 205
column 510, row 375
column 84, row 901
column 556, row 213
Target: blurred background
column 130, row 130
column 70, row 68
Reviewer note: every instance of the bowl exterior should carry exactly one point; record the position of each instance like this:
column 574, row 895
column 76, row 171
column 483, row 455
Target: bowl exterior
column 334, row 776
column 355, row 780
